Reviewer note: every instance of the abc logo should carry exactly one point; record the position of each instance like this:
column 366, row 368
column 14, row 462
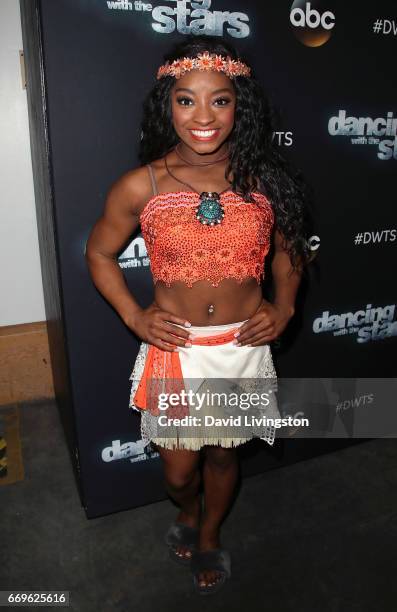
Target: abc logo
column 312, row 22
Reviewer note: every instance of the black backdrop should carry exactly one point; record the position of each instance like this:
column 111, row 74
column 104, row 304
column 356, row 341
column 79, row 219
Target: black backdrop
column 90, row 64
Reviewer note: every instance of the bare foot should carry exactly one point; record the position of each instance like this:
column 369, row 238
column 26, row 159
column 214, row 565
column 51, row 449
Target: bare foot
column 192, row 520
column 208, row 541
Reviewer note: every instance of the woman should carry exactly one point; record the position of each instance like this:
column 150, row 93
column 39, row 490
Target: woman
column 212, row 194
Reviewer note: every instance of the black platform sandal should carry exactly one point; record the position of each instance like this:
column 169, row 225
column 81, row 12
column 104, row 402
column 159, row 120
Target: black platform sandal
column 217, row 559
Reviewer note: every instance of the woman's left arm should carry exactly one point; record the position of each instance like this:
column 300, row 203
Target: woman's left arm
column 286, row 279
column 271, row 318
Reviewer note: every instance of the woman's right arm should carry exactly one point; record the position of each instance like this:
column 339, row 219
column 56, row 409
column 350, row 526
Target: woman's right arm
column 119, row 220
column 110, row 233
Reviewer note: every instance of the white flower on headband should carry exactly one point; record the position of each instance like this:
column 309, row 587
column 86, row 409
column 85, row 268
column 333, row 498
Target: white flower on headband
column 204, row 61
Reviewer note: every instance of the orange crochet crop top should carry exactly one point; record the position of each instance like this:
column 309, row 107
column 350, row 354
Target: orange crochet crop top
column 180, row 248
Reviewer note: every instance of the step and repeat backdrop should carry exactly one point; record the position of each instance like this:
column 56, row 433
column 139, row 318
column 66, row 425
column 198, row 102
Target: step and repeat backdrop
column 328, row 66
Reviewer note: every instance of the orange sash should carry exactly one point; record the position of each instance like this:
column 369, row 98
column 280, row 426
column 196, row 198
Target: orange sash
column 162, row 373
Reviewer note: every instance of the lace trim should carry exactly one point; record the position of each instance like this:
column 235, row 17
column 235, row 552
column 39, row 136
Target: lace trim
column 148, row 426
column 228, row 197
column 189, row 277
column 148, row 214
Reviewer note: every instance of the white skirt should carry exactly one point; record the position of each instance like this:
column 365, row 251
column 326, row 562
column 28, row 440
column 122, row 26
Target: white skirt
column 207, row 372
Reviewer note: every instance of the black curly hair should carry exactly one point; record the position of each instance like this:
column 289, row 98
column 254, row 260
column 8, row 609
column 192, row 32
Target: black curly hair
column 252, row 152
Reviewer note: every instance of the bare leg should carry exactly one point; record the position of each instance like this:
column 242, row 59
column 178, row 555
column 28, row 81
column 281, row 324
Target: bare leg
column 182, row 481
column 220, row 477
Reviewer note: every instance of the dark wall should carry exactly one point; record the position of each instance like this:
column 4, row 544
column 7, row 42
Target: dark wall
column 89, row 67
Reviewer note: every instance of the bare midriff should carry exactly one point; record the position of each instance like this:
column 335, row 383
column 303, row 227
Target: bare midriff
column 204, row 304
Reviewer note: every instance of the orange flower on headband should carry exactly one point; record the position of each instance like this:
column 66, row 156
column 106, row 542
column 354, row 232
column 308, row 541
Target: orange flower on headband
column 204, row 61
column 188, row 63
column 218, row 62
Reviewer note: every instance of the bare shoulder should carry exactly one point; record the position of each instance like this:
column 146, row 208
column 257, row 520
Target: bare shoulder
column 130, row 192
column 159, row 169
column 125, row 200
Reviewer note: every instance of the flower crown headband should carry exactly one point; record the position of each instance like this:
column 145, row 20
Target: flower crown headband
column 204, row 61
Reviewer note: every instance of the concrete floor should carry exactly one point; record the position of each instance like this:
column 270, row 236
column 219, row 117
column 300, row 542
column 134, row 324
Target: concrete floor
column 316, row 536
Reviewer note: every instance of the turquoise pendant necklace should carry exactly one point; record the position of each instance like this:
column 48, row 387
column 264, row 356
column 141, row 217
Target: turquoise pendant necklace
column 210, row 209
